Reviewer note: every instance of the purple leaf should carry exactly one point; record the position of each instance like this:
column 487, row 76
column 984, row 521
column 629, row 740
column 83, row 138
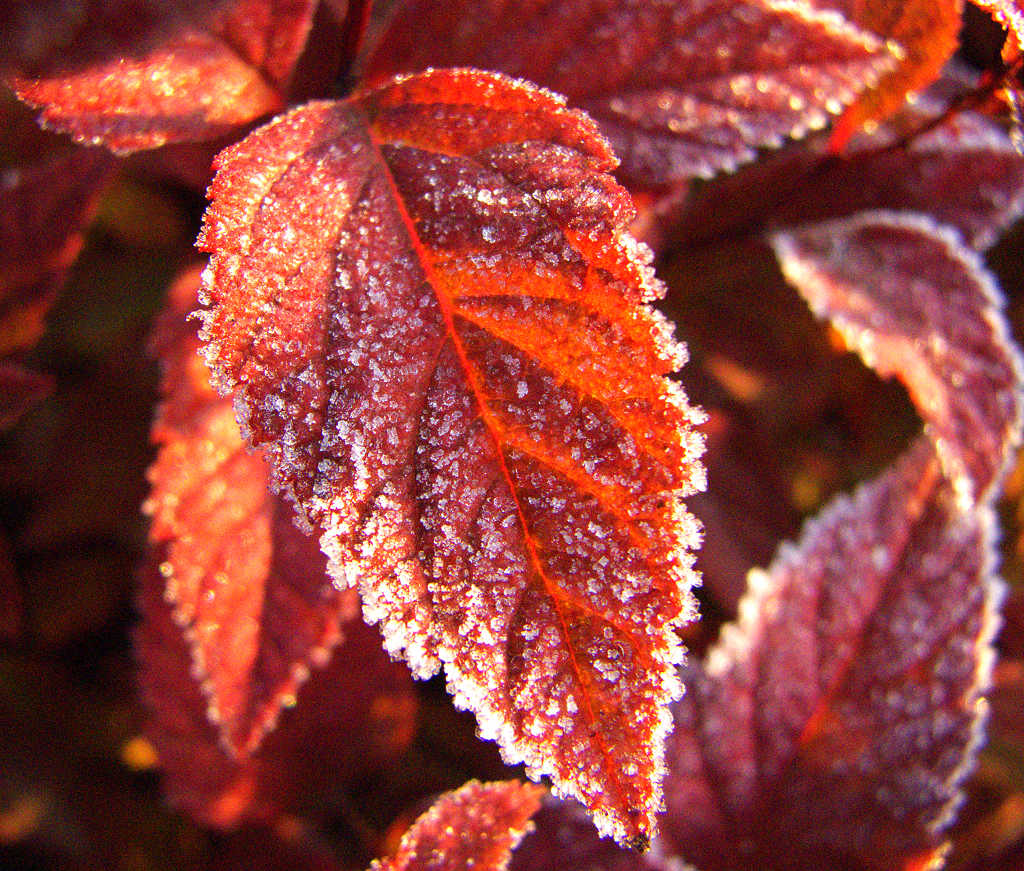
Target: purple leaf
column 914, row 302
column 681, row 89
column 833, row 725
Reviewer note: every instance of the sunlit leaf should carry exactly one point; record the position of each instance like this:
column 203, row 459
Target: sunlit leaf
column 476, row 826
column 134, row 74
column 917, row 304
column 248, row 589
column 434, row 322
column 680, row 89
column 928, row 33
column 833, row 725
column 358, row 712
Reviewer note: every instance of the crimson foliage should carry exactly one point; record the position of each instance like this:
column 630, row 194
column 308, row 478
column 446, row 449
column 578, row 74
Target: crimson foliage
column 430, row 374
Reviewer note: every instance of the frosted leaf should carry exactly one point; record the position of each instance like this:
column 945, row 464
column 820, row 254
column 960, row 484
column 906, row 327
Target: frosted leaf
column 833, row 725
column 248, row 589
column 358, row 712
column 915, row 303
column 681, row 89
column 136, row 74
column 434, row 323
column 476, row 826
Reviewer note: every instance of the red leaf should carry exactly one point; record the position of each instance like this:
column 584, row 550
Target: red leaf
column 350, row 717
column 680, row 89
column 248, row 589
column 927, row 32
column 915, row 303
column 135, row 74
column 433, row 317
column 43, row 209
column 965, row 172
column 833, row 726
column 476, row 826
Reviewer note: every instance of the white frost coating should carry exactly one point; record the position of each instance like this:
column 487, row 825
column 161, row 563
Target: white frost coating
column 807, row 273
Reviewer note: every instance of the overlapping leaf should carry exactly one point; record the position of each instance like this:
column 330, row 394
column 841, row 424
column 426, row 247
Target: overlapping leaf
column 965, row 172
column 248, row 589
column 832, row 727
column 475, row 826
column 358, row 711
column 928, row 34
column 134, row 74
column 434, row 322
column 915, row 303
column 681, row 89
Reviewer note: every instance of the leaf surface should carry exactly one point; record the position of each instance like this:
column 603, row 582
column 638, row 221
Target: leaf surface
column 248, row 589
column 928, row 33
column 352, row 715
column 917, row 304
column 681, row 89
column 965, row 172
column 435, row 324
column 475, row 826
column 832, row 726
column 136, row 74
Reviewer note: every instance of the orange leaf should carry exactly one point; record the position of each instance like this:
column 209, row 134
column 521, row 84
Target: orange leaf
column 136, row 74
column 928, row 32
column 476, row 826
column 433, row 318
column 248, row 589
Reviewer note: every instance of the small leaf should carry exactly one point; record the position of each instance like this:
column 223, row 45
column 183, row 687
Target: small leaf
column 351, row 716
column 928, row 32
column 136, row 74
column 832, row 727
column 434, row 321
column 681, row 89
column 914, row 302
column 476, row 826
column 248, row 589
